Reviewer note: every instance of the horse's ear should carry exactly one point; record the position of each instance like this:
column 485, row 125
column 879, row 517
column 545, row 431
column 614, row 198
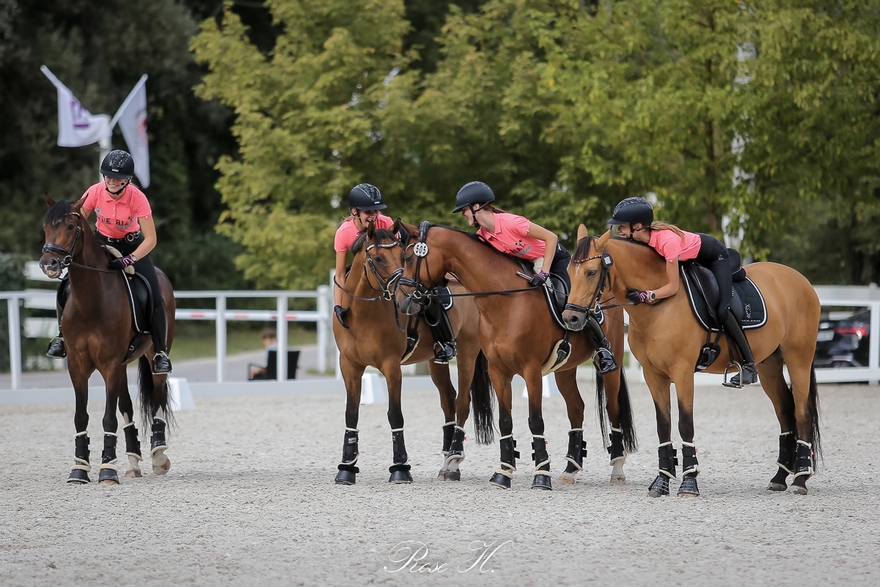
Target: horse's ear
column 49, row 201
column 371, row 230
column 77, row 206
column 603, row 240
column 582, row 233
column 395, row 228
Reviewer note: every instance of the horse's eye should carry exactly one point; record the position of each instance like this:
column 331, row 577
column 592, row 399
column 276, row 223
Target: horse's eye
column 408, row 259
column 591, row 272
column 71, row 226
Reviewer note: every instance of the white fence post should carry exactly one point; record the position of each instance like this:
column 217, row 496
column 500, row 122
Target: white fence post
column 220, row 329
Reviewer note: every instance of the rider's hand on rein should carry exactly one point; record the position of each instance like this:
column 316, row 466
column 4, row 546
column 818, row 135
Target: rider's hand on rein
column 539, row 278
column 121, row 262
column 640, row 297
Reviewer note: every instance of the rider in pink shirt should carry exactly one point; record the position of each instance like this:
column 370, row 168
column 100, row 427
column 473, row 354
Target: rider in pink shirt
column 364, row 203
column 634, row 218
column 124, row 220
column 519, row 237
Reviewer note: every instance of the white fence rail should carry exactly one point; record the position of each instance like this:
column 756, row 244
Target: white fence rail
column 829, row 296
column 220, row 314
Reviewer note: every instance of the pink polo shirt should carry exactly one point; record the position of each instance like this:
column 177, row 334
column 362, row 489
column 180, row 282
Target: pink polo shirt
column 510, row 237
column 347, row 233
column 670, row 246
column 116, row 218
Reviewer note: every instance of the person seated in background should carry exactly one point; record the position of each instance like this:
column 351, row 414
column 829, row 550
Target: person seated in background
column 270, row 342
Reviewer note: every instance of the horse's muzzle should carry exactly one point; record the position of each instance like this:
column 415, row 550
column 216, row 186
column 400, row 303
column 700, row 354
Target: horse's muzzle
column 406, row 304
column 51, row 267
column 574, row 320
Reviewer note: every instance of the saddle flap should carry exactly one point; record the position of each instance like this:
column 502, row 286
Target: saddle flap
column 141, row 299
column 747, row 303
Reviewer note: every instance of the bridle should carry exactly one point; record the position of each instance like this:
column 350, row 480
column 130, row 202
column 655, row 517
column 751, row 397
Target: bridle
column 67, row 254
column 388, row 287
column 596, row 306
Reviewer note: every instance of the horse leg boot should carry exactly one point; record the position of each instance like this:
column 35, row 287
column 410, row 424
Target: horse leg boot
column 668, row 461
column 79, row 472
column 541, row 479
column 786, row 461
column 348, row 470
column 509, row 454
column 454, row 456
column 158, row 446
column 603, row 359
column 441, row 330
column 107, row 475
column 749, row 374
column 400, row 469
column 618, row 457
column 690, row 468
column 56, row 348
column 132, row 450
column 803, row 467
column 161, row 362
column 577, row 450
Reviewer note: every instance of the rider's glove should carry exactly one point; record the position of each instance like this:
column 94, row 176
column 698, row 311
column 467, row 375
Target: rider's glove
column 539, row 278
column 122, row 262
column 640, row 297
column 339, row 311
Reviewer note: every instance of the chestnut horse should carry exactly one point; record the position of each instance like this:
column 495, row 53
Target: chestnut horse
column 667, row 340
column 99, row 335
column 377, row 336
column 518, row 335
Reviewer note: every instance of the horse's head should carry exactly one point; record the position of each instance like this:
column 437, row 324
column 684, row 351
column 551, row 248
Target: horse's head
column 588, row 270
column 423, row 270
column 382, row 257
column 63, row 226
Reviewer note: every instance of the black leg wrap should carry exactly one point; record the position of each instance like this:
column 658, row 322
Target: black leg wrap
column 542, row 464
column 347, row 474
column 108, row 455
column 787, row 452
column 400, row 469
column 577, row 448
column 660, row 486
column 448, row 430
column 81, row 449
column 804, row 463
column 79, row 474
column 689, row 464
column 509, row 454
column 132, row 444
column 157, row 440
column 616, row 451
column 456, row 448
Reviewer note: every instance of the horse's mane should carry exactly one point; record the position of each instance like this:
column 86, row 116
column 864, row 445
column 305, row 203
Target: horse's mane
column 57, row 212
column 582, row 249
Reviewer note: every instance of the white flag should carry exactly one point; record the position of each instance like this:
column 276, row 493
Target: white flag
column 76, row 125
column 132, row 119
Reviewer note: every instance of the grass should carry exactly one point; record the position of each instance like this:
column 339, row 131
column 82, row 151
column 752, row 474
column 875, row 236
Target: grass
column 196, row 339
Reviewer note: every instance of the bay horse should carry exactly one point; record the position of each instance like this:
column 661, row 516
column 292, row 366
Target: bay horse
column 99, row 335
column 667, row 340
column 376, row 337
column 518, row 335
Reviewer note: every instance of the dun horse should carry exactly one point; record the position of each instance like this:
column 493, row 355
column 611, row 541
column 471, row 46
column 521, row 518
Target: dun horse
column 518, row 335
column 667, row 340
column 99, row 335
column 377, row 337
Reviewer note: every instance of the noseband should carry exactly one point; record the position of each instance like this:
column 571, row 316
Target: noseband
column 596, row 304
column 67, row 254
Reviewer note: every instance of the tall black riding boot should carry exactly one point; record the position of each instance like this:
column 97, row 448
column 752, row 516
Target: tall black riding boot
column 750, row 374
column 161, row 362
column 56, row 348
column 604, row 358
column 441, row 330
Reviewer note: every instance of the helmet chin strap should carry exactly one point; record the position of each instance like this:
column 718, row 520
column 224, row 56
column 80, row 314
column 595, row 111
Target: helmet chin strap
column 120, row 190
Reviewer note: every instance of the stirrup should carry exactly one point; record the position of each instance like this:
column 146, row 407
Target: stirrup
column 444, row 354
column 736, row 381
column 601, row 361
column 161, row 363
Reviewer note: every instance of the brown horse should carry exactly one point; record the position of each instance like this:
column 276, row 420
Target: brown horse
column 99, row 335
column 377, row 337
column 519, row 335
column 667, row 340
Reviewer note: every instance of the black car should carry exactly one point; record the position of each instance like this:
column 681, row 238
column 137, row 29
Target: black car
column 843, row 343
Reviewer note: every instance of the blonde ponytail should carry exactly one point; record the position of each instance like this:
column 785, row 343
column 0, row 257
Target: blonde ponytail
column 660, row 225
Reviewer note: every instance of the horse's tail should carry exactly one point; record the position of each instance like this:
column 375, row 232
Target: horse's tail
column 627, row 424
column 813, row 406
column 481, row 401
column 151, row 399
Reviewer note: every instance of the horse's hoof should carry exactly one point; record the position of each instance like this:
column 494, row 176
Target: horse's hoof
column 566, row 479
column 799, row 489
column 777, row 486
column 688, row 487
column 134, row 473
column 162, row 468
column 451, row 475
column 618, row 479
column 541, row 482
column 500, row 481
column 108, row 477
column 345, row 477
column 78, row 477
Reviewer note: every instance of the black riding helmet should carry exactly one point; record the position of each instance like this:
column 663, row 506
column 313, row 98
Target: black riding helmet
column 118, row 164
column 365, row 196
column 632, row 211
column 475, row 192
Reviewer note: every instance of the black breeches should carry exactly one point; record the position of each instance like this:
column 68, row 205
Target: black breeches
column 714, row 256
column 559, row 267
column 143, row 266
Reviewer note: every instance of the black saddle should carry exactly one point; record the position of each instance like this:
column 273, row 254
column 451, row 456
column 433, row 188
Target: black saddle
column 747, row 303
column 555, row 292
